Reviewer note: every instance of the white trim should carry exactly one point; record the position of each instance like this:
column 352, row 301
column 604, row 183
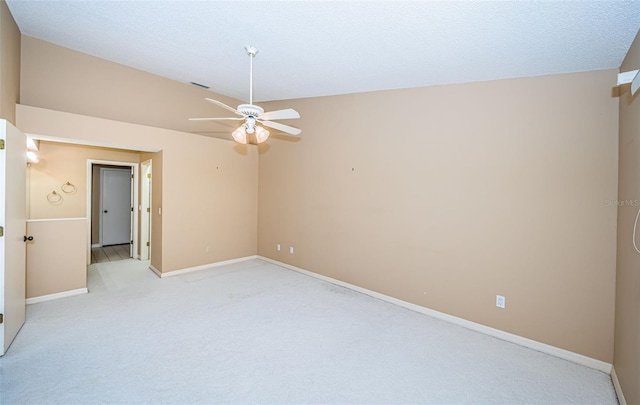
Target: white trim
column 129, row 173
column 96, row 245
column 632, row 77
column 74, row 141
column 153, row 269
column 146, row 168
column 56, row 219
column 509, row 337
column 56, row 296
column 627, row 77
column 618, row 387
column 202, row 267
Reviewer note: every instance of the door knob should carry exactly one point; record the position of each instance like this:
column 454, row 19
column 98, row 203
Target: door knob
column 28, row 238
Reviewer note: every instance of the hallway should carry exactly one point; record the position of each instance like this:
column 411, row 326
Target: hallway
column 110, row 253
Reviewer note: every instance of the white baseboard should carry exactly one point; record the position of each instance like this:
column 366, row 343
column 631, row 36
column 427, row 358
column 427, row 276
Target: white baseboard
column 96, row 245
column 56, row 296
column 202, row 267
column 509, row 337
column 158, row 272
column 618, row 387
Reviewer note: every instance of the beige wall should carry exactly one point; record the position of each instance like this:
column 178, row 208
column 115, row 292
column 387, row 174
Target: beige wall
column 446, row 196
column 61, row 163
column 627, row 332
column 61, row 79
column 442, row 196
column 57, row 256
column 208, row 190
column 9, row 64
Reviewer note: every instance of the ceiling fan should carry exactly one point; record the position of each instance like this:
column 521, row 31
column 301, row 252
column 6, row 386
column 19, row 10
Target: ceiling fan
column 252, row 115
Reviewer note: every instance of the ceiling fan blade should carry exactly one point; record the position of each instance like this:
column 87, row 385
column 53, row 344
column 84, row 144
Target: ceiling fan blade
column 281, row 127
column 223, row 105
column 287, row 114
column 217, row 119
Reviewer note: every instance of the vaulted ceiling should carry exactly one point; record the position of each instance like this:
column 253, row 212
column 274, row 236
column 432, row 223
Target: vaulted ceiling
column 316, row 48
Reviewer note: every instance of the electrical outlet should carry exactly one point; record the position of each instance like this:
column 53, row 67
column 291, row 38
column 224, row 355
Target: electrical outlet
column 291, row 249
column 207, row 249
column 278, row 247
column 500, row 301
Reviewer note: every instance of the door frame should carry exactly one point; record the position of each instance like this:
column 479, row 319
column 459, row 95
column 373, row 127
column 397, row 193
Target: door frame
column 102, row 194
column 146, row 167
column 99, row 144
column 134, row 224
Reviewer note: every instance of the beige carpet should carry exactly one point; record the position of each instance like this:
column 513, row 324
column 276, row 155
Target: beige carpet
column 256, row 333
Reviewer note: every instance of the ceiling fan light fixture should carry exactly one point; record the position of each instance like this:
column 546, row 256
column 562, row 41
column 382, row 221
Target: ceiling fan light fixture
column 240, row 135
column 254, row 115
column 261, row 134
column 250, row 125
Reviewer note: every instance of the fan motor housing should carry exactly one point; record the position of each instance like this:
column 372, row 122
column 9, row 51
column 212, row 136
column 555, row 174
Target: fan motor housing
column 250, row 110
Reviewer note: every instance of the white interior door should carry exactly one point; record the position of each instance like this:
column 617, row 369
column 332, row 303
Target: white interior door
column 115, row 205
column 13, row 204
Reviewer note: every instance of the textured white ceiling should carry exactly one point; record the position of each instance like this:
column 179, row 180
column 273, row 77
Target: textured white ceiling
column 315, row 48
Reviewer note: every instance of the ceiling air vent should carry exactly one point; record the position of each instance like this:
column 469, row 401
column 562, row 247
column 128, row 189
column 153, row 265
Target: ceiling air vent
column 199, row 85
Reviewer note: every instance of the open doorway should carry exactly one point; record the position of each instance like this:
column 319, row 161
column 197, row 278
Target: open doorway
column 63, row 161
column 112, row 196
